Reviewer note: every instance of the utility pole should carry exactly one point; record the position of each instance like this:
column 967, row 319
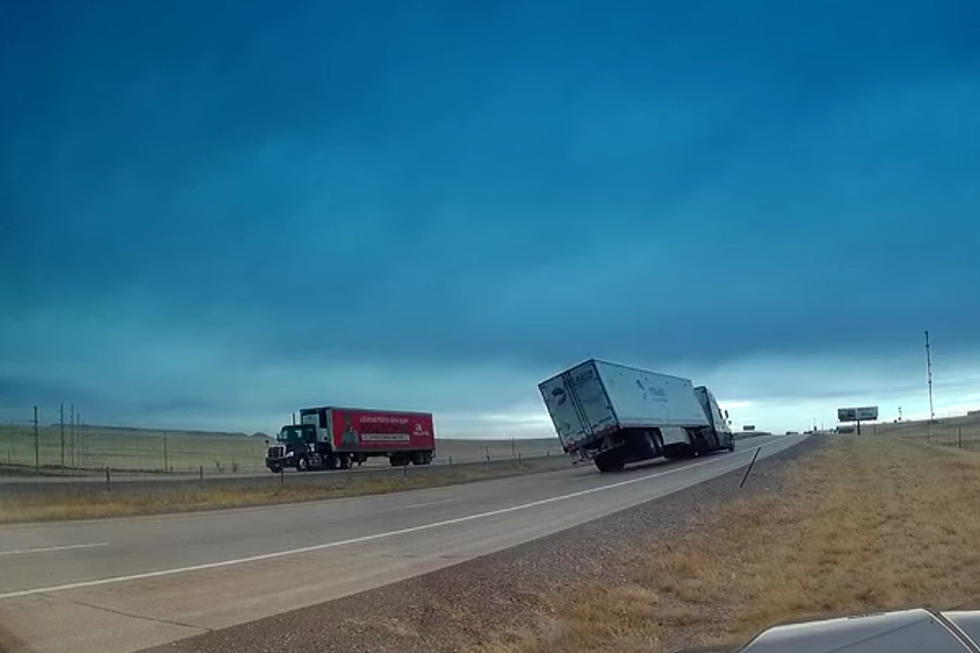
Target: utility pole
column 37, row 450
column 932, row 412
column 73, row 435
column 61, row 420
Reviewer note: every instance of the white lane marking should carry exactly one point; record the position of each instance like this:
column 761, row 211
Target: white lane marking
column 425, row 503
column 372, row 537
column 44, row 549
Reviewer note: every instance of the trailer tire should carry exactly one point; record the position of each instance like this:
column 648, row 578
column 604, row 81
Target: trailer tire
column 275, row 469
column 609, row 462
column 421, row 457
column 332, row 462
column 302, row 464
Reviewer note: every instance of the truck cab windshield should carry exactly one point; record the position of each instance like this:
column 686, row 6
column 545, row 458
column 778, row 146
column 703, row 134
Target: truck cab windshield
column 291, row 434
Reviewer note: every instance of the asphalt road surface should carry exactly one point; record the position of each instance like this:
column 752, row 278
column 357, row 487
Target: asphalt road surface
column 125, row 584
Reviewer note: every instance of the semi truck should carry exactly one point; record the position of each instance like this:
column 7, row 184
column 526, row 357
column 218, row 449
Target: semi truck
column 614, row 414
column 330, row 437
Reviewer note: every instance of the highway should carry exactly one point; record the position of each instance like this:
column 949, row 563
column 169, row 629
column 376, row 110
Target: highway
column 124, row 584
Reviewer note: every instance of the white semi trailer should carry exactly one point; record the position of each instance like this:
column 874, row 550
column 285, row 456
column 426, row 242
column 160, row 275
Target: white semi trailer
column 613, row 414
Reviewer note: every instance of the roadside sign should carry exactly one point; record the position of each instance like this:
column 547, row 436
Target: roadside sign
column 862, row 414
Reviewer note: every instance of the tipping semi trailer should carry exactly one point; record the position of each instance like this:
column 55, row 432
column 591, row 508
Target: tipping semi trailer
column 328, row 437
column 613, row 414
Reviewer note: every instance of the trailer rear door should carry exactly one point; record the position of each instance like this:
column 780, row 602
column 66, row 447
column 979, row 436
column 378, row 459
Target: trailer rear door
column 578, row 405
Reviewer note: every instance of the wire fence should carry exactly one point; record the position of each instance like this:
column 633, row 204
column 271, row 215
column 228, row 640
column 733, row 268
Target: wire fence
column 957, row 432
column 83, row 447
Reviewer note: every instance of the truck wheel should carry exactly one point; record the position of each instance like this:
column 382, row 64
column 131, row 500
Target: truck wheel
column 275, row 468
column 609, row 462
column 731, row 445
column 332, row 462
column 421, row 457
column 397, row 461
column 302, row 464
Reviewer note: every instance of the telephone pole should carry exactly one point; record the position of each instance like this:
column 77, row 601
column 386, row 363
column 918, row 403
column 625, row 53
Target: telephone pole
column 37, row 450
column 932, row 412
column 61, row 420
column 73, row 464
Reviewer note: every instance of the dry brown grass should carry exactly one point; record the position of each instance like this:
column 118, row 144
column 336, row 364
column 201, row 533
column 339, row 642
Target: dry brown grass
column 862, row 524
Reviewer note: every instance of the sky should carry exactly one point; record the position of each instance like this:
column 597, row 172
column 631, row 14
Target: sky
column 213, row 214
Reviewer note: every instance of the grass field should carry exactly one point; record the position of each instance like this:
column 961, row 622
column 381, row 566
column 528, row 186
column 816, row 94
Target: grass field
column 130, row 449
column 862, row 524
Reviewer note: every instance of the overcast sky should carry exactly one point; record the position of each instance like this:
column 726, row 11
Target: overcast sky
column 216, row 213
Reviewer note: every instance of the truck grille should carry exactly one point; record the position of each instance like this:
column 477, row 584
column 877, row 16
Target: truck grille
column 276, row 451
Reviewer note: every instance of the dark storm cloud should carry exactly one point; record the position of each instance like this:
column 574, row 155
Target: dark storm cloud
column 187, row 191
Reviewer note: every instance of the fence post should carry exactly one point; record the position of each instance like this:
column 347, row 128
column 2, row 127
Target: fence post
column 282, row 475
column 405, row 470
column 200, row 471
column 959, row 437
column 108, row 480
column 450, row 461
column 749, row 468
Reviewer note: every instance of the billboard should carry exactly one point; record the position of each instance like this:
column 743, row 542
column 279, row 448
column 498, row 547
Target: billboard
column 861, row 414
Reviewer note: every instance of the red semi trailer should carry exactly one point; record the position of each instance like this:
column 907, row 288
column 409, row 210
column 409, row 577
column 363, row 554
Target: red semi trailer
column 329, row 437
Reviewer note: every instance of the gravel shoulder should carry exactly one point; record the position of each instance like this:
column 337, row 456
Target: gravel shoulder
column 456, row 608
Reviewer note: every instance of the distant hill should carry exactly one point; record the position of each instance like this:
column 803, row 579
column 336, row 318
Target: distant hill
column 139, row 430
